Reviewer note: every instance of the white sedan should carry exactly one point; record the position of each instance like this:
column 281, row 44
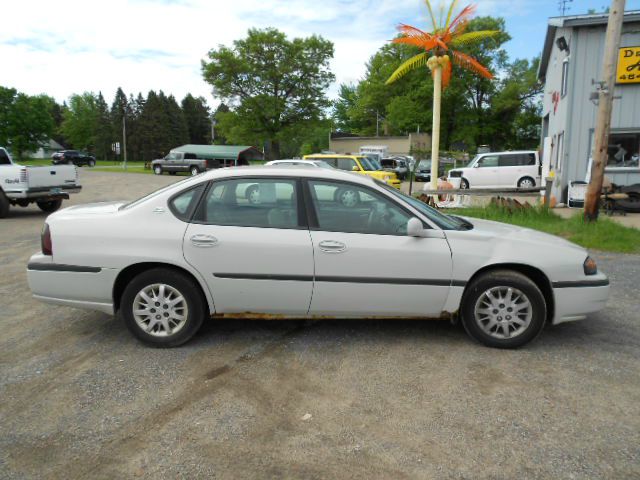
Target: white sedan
column 318, row 243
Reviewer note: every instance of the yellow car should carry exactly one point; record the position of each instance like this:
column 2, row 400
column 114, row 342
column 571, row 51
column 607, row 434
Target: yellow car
column 358, row 164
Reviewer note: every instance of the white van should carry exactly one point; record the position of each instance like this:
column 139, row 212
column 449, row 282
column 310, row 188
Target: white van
column 520, row 169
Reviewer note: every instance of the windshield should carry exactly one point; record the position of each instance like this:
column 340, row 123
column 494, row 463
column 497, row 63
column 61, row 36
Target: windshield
column 443, row 221
column 375, row 161
column 473, row 160
column 424, row 164
column 154, row 193
column 366, row 164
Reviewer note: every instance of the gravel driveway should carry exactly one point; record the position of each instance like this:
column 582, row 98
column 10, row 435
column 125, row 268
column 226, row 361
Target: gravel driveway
column 80, row 398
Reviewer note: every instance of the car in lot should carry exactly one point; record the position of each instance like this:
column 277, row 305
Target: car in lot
column 73, row 157
column 397, row 165
column 359, row 164
column 46, row 186
column 423, row 171
column 521, row 169
column 198, row 248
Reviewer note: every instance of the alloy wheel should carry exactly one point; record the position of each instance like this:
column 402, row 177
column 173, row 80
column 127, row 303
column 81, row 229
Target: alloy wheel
column 160, row 310
column 503, row 312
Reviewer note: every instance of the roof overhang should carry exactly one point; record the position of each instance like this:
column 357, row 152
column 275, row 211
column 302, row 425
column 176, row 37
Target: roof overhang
column 573, row 22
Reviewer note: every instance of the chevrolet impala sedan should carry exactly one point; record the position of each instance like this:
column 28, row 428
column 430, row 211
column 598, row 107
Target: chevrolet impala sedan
column 307, row 243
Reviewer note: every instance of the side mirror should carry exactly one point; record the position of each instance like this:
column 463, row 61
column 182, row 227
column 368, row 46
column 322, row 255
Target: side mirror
column 476, row 165
column 415, row 228
column 355, row 168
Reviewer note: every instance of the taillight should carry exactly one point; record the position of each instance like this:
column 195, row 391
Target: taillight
column 47, row 246
column 24, row 177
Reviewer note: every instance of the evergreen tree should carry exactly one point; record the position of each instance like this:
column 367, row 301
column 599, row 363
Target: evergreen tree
column 119, row 111
column 102, row 133
column 198, row 117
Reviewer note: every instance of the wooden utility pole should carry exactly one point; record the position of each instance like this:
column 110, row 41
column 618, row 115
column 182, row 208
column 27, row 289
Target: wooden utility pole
column 605, row 104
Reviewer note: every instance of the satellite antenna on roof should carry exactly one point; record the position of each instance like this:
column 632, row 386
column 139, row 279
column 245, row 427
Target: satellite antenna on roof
column 563, row 6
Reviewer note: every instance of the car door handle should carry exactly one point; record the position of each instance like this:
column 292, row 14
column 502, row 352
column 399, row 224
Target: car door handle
column 204, row 240
column 331, row 246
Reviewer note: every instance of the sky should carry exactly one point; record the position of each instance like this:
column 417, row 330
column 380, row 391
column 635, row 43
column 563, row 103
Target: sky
column 68, row 46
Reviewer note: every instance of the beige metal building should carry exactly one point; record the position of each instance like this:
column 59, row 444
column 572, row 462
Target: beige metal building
column 339, row 143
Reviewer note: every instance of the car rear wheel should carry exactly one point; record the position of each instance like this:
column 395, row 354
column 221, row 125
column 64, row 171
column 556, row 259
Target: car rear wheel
column 50, row 205
column 526, row 182
column 503, row 309
column 253, row 195
column 162, row 307
column 194, row 171
column 157, row 170
column 464, row 184
column 4, row 205
column 347, row 197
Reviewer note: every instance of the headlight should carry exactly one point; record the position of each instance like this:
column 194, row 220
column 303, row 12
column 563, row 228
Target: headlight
column 590, row 267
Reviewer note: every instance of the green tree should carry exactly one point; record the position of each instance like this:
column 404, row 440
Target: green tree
column 102, row 129
column 26, row 122
column 79, row 124
column 273, row 83
column 198, row 117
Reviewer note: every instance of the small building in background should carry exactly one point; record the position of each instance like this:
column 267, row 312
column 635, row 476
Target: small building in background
column 223, row 155
column 406, row 145
column 48, row 148
column 571, row 67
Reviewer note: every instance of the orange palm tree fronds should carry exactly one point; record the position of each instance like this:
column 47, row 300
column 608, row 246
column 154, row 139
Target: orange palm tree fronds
column 462, row 17
column 470, row 63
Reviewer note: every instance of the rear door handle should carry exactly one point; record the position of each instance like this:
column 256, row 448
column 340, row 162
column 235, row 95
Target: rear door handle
column 203, row 240
column 332, row 246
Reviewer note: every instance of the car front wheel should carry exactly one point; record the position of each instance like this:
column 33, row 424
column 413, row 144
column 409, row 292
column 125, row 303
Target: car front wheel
column 464, row 184
column 157, row 170
column 526, row 182
column 162, row 307
column 92, row 163
column 503, row 309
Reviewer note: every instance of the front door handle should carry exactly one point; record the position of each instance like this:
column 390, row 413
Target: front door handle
column 332, row 246
column 203, row 240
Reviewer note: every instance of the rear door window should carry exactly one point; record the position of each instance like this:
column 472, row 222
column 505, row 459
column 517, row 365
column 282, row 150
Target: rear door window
column 266, row 203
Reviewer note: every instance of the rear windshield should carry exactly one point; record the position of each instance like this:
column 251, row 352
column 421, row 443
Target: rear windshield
column 155, row 193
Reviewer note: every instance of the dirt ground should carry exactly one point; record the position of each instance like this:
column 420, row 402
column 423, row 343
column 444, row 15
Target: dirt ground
column 81, row 398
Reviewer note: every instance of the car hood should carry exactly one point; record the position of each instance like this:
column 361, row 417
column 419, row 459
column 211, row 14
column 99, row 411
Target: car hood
column 509, row 233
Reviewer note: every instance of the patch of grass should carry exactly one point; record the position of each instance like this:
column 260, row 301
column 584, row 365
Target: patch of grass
column 605, row 234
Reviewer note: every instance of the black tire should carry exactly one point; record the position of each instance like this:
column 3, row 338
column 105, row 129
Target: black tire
column 464, row 184
column 475, row 294
column 172, row 173
column 50, row 206
column 157, row 170
column 4, row 205
column 347, row 197
column 526, row 182
column 194, row 171
column 196, row 307
column 92, row 163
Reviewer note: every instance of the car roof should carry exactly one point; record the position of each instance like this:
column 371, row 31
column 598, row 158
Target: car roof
column 280, row 171
column 507, row 152
column 320, row 156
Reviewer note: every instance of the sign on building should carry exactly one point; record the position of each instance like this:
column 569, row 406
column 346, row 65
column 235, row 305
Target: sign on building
column 628, row 65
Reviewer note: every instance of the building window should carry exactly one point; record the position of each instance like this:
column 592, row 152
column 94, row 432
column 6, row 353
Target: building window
column 623, row 150
column 559, row 153
column 565, row 77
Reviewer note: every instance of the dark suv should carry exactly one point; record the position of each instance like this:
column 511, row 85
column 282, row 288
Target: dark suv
column 74, row 157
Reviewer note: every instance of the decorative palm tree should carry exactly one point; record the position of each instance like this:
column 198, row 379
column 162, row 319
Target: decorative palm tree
column 437, row 46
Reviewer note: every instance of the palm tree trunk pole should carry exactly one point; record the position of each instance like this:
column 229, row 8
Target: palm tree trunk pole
column 435, row 131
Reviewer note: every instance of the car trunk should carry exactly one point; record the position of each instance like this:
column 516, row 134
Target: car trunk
column 50, row 177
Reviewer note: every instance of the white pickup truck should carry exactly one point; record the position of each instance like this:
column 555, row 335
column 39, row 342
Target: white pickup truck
column 47, row 186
